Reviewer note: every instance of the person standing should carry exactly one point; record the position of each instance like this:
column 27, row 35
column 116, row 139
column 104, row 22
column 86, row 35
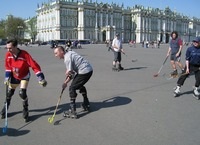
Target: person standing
column 81, row 69
column 117, row 47
column 17, row 63
column 192, row 65
column 175, row 49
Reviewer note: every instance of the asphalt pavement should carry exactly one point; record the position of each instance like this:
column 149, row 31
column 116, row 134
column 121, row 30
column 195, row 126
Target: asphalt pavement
column 130, row 107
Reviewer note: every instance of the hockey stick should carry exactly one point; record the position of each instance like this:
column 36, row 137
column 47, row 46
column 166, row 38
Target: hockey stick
column 50, row 119
column 4, row 129
column 155, row 75
column 175, row 76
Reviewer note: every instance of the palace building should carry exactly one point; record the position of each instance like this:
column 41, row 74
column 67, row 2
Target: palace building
column 70, row 19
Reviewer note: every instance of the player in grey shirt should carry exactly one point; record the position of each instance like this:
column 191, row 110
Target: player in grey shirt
column 81, row 69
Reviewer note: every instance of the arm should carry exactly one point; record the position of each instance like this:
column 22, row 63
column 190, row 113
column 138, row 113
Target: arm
column 187, row 61
column 180, row 48
column 187, row 66
column 36, row 68
column 69, row 76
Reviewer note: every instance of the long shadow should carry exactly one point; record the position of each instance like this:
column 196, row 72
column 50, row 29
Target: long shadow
column 135, row 68
column 186, row 93
column 95, row 106
column 13, row 132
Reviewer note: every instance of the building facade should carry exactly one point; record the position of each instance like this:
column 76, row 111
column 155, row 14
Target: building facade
column 67, row 19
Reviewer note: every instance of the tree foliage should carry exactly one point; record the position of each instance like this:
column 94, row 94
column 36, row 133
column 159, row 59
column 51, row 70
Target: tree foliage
column 2, row 29
column 14, row 27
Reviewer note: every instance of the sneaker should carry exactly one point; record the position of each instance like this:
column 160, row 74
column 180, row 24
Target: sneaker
column 114, row 68
column 177, row 91
column 70, row 114
column 86, row 107
column 183, row 71
column 175, row 72
column 120, row 67
column 196, row 93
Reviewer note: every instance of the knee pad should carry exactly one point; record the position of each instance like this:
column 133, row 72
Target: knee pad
column 72, row 92
column 83, row 90
column 10, row 93
column 22, row 94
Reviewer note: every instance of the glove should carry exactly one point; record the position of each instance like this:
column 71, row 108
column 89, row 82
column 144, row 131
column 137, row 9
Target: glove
column 40, row 76
column 6, row 81
column 43, row 83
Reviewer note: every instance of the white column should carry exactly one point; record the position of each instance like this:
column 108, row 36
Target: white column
column 96, row 26
column 80, row 23
column 57, row 15
column 111, row 22
column 106, row 18
column 101, row 18
column 139, row 29
column 122, row 28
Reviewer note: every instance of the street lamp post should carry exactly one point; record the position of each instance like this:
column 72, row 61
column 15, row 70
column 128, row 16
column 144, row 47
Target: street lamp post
column 19, row 31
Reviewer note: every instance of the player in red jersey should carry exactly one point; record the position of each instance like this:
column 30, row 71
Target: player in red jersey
column 17, row 63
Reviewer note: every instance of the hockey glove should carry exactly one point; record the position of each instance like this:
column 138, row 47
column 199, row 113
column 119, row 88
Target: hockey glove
column 43, row 83
column 41, row 79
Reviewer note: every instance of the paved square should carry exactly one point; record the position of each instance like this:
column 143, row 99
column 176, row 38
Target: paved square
column 129, row 107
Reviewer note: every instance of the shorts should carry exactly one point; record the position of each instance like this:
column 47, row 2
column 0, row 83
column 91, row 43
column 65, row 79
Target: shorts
column 14, row 82
column 117, row 56
column 174, row 58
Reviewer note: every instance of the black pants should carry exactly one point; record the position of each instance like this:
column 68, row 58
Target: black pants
column 192, row 68
column 78, row 84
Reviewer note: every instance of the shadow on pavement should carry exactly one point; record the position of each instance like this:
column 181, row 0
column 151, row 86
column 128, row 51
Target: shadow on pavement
column 133, row 68
column 14, row 132
column 112, row 102
column 95, row 106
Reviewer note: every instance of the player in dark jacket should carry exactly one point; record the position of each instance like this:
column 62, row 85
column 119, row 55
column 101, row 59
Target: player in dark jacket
column 192, row 65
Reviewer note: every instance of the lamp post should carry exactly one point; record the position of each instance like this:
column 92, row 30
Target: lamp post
column 19, row 31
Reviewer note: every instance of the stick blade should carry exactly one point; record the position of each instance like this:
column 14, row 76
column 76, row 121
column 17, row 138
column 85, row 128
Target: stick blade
column 50, row 119
column 4, row 130
column 156, row 75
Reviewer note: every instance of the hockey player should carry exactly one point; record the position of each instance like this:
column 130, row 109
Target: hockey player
column 17, row 63
column 175, row 49
column 75, row 64
column 117, row 47
column 192, row 65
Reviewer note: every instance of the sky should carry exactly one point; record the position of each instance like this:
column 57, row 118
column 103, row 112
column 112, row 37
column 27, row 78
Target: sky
column 26, row 8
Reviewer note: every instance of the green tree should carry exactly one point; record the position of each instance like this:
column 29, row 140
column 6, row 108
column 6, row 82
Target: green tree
column 15, row 27
column 2, row 29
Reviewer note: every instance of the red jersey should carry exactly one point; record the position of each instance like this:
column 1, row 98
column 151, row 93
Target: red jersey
column 19, row 65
